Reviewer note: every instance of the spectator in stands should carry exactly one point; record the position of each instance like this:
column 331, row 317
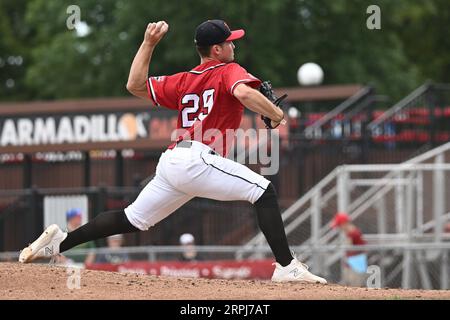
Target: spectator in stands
column 74, row 221
column 114, row 242
column 187, row 241
column 355, row 264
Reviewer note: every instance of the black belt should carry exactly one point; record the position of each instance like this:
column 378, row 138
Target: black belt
column 184, row 144
column 188, row 144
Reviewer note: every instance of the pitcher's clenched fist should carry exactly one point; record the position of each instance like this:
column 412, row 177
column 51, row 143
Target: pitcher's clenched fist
column 155, row 32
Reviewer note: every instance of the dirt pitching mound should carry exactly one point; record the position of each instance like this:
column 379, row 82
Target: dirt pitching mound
column 40, row 281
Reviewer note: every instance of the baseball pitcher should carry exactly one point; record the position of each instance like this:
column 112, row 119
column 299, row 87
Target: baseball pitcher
column 210, row 100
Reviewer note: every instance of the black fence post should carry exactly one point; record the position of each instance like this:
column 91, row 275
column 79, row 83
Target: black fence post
column 33, row 226
column 101, row 200
column 27, row 171
column 301, row 154
column 119, row 169
column 430, row 100
column 2, row 235
column 87, row 169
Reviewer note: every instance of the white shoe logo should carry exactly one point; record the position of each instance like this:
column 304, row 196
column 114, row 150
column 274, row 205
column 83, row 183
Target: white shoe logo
column 295, row 272
column 48, row 251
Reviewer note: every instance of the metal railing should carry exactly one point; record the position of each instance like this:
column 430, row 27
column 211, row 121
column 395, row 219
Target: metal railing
column 419, row 118
column 409, row 188
column 356, row 101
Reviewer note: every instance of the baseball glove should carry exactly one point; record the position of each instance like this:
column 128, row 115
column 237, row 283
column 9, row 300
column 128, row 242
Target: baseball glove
column 267, row 91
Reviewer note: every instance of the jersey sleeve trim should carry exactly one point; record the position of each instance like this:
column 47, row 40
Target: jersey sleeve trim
column 242, row 81
column 148, row 91
column 151, row 91
column 207, row 69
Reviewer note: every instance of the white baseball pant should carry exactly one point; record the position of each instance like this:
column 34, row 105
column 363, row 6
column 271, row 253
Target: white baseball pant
column 184, row 173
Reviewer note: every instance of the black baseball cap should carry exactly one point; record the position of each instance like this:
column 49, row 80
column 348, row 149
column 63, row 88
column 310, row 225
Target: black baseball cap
column 214, row 32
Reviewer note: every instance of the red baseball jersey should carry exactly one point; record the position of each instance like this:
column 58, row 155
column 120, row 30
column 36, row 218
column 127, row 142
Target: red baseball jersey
column 355, row 237
column 208, row 110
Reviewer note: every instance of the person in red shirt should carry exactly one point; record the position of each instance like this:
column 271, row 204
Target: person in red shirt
column 447, row 228
column 355, row 264
column 210, row 101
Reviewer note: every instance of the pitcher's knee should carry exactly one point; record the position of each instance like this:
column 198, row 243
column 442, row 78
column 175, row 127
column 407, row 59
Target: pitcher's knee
column 269, row 196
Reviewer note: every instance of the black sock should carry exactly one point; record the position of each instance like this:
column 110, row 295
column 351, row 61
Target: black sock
column 271, row 225
column 105, row 224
